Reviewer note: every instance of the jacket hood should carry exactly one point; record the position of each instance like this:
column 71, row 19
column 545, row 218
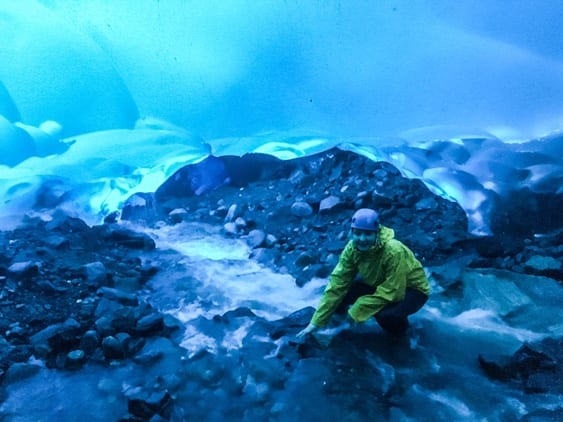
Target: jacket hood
column 385, row 234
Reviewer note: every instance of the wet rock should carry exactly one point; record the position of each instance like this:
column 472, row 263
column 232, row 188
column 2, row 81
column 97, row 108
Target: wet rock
column 139, row 207
column 116, row 347
column 544, row 265
column 20, row 371
column 305, row 259
column 235, row 211
column 75, row 359
column 146, row 404
column 536, row 368
column 55, row 337
column 255, row 238
column 178, row 215
column 89, row 342
column 130, row 239
column 119, row 296
column 150, row 324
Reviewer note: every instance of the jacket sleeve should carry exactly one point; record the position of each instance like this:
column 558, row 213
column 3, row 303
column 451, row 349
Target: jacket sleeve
column 338, row 285
column 392, row 289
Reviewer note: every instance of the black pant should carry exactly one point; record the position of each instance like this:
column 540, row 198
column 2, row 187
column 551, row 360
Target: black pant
column 392, row 318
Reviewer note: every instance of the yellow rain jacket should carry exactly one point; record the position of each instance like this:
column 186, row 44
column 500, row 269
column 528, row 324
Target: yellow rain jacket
column 389, row 266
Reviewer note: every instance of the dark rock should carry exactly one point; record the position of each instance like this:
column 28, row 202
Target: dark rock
column 146, row 404
column 330, row 204
column 57, row 242
column 538, row 371
column 24, row 269
column 95, row 273
column 140, row 207
column 55, row 337
column 131, row 239
column 20, row 371
column 65, row 224
column 89, row 342
column 116, row 347
column 301, row 209
column 150, row 324
column 240, row 312
column 305, row 258
column 75, row 359
column 119, row 296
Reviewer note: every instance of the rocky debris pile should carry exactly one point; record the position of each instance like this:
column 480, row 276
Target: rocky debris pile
column 69, row 295
column 295, row 214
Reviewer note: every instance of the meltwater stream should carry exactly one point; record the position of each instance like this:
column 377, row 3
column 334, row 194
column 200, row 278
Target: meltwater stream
column 203, row 274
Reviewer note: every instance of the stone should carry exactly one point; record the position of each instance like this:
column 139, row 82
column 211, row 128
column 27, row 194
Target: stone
column 24, row 269
column 89, row 342
column 75, row 359
column 540, row 263
column 301, row 209
column 45, row 340
column 150, row 324
column 255, row 238
column 20, row 371
column 119, row 296
column 95, row 273
column 113, row 348
column 146, row 404
column 329, row 204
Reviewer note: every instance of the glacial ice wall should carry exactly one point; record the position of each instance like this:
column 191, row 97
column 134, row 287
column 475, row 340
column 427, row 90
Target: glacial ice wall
column 392, row 79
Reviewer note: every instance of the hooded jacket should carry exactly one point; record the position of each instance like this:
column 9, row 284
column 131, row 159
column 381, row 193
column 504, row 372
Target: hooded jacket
column 389, row 266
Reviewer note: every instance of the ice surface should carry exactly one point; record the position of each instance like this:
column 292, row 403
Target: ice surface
column 441, row 90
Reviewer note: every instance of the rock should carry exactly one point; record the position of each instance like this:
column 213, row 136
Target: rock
column 89, row 342
column 55, row 335
column 330, row 204
column 116, row 347
column 145, row 404
column 255, row 238
column 150, row 324
column 426, row 204
column 131, row 239
column 24, row 269
column 233, row 213
column 301, row 209
column 544, row 265
column 96, row 273
column 230, row 228
column 537, row 369
column 75, row 359
column 305, row 258
column 57, row 242
column 139, row 207
column 21, row 371
column 178, row 215
column 119, row 296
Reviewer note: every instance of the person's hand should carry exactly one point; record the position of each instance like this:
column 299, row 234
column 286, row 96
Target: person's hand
column 306, row 331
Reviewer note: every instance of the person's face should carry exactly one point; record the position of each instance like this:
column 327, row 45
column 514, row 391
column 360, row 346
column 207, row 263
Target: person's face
column 363, row 239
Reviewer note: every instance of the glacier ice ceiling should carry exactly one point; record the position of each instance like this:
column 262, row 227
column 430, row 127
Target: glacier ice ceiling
column 101, row 99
